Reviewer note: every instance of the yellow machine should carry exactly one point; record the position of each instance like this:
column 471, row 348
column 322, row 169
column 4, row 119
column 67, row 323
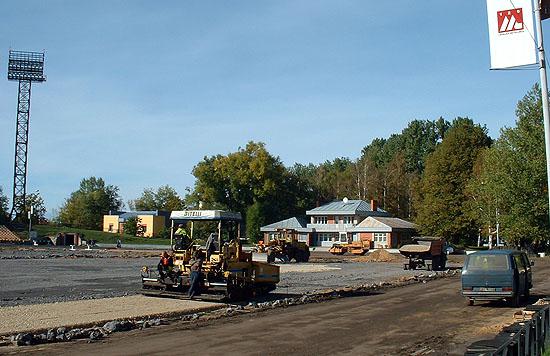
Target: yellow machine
column 228, row 272
column 286, row 247
column 358, row 248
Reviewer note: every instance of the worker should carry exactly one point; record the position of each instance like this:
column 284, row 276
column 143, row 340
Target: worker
column 210, row 245
column 166, row 265
column 195, row 278
column 182, row 238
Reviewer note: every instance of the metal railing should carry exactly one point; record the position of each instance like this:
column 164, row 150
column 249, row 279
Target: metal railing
column 528, row 337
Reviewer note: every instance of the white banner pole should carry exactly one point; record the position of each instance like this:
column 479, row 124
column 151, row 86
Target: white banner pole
column 544, row 94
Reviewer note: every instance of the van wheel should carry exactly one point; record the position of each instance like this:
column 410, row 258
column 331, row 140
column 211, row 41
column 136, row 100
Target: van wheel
column 515, row 301
column 526, row 294
column 471, row 302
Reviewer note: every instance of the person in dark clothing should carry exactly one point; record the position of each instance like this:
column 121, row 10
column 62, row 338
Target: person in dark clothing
column 211, row 245
column 166, row 265
column 195, row 277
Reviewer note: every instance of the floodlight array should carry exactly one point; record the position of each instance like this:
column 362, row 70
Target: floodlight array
column 26, row 66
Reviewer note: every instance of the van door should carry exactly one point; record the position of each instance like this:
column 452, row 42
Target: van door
column 522, row 273
column 529, row 275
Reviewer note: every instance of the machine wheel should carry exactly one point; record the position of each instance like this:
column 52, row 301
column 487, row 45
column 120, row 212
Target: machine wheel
column 515, row 301
column 471, row 302
column 306, row 256
column 436, row 262
column 270, row 257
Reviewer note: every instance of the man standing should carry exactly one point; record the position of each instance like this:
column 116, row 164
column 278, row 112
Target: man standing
column 195, row 277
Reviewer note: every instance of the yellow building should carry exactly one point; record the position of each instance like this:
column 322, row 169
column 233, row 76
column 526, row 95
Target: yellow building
column 150, row 222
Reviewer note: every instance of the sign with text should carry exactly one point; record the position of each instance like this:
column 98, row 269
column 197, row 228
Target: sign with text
column 511, row 33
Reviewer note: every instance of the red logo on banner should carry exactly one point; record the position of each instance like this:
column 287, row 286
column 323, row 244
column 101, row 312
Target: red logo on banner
column 510, row 20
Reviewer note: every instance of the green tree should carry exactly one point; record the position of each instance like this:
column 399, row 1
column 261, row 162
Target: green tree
column 250, row 176
column 131, row 226
column 255, row 219
column 4, row 201
column 164, row 198
column 510, row 183
column 38, row 207
column 443, row 198
column 86, row 206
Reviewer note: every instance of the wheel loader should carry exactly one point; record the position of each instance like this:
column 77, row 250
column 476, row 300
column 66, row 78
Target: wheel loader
column 286, row 247
column 228, row 272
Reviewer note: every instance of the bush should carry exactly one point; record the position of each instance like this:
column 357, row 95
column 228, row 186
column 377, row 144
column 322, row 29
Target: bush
column 164, row 233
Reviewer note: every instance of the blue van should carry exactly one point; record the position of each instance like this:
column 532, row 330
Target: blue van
column 496, row 275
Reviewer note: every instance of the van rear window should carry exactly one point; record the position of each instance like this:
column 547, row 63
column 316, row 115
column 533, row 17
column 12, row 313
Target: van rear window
column 492, row 262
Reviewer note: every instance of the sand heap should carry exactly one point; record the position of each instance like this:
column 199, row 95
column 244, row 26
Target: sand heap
column 380, row 256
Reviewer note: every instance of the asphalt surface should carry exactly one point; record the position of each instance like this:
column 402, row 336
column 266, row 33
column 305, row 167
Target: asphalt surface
column 48, row 275
column 427, row 319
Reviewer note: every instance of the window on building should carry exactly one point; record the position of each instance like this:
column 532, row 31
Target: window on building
column 348, row 219
column 380, row 237
column 321, row 220
column 327, row 236
column 111, row 227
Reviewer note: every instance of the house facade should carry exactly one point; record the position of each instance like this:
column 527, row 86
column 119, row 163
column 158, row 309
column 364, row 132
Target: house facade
column 344, row 221
column 151, row 222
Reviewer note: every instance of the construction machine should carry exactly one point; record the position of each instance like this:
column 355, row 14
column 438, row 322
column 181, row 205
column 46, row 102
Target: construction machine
column 426, row 251
column 285, row 246
column 358, row 248
column 228, row 272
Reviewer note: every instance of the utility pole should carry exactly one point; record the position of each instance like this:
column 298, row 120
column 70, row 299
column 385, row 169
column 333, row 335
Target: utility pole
column 544, row 93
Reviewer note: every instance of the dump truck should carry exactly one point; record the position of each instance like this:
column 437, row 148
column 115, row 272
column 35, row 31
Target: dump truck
column 286, row 247
column 425, row 251
column 228, row 272
column 358, row 248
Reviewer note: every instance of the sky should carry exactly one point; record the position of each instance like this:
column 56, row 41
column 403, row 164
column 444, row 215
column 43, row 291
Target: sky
column 138, row 92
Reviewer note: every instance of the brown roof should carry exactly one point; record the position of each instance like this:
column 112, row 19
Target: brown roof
column 7, row 236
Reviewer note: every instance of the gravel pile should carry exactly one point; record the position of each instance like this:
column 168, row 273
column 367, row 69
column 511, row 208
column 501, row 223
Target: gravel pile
column 380, row 256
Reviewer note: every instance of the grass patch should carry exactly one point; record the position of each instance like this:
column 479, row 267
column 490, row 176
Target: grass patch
column 99, row 236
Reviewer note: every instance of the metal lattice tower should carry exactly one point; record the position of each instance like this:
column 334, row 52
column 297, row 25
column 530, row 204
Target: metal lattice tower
column 25, row 67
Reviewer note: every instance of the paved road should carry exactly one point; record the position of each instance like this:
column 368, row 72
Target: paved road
column 432, row 317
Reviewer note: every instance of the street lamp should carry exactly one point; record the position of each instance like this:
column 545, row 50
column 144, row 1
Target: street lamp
column 31, row 211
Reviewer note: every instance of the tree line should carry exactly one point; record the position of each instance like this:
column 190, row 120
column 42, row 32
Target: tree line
column 449, row 177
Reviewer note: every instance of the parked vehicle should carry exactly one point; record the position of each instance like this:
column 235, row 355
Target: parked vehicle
column 427, row 251
column 358, row 248
column 497, row 275
column 285, row 246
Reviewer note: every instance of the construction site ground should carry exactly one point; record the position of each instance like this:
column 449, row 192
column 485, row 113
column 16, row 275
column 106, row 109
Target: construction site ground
column 419, row 319
column 51, row 275
column 431, row 318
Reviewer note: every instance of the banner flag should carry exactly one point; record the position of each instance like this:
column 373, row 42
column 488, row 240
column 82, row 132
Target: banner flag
column 511, row 33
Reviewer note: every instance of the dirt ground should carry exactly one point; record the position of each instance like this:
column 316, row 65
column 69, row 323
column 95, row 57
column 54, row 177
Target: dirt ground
column 420, row 319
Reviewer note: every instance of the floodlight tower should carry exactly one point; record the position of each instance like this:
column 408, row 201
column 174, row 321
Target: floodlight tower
column 25, row 67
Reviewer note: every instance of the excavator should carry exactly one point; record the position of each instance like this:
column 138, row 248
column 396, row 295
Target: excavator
column 228, row 272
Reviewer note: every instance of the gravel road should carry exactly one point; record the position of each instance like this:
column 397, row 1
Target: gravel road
column 48, row 275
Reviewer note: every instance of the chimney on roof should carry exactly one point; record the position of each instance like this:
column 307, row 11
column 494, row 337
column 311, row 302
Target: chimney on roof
column 373, row 205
